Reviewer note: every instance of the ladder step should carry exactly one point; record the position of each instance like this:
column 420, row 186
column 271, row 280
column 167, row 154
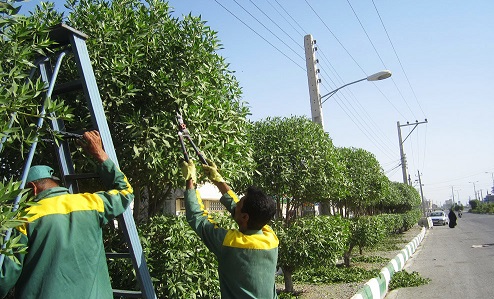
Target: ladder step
column 81, row 176
column 118, row 255
column 126, row 294
column 67, row 87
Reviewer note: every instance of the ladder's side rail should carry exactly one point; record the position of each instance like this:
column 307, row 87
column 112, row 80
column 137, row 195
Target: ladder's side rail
column 32, row 150
column 92, row 95
column 98, row 116
column 126, row 221
column 65, row 159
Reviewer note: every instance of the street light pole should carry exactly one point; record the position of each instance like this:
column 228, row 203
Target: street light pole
column 474, row 190
column 492, row 176
column 374, row 77
column 313, row 80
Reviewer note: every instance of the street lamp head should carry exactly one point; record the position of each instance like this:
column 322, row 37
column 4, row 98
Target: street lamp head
column 379, row 76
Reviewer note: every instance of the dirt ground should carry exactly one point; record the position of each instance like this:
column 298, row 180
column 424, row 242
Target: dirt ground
column 347, row 290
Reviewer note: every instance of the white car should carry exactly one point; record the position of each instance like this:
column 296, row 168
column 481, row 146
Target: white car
column 439, row 218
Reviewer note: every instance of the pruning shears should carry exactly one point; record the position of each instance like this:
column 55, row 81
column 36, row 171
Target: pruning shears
column 183, row 132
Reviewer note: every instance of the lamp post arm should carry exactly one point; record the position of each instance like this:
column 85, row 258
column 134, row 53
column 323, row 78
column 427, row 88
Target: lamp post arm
column 331, row 93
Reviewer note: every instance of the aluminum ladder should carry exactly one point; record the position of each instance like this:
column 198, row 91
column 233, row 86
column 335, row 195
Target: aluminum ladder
column 73, row 42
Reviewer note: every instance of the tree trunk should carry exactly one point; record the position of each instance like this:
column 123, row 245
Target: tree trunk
column 346, row 256
column 287, row 276
column 324, row 208
column 159, row 201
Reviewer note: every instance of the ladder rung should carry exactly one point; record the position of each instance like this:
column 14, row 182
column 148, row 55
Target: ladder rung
column 118, row 255
column 126, row 294
column 81, row 176
column 67, row 87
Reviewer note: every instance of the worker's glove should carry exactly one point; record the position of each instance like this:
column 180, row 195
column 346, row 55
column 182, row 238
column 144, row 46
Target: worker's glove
column 212, row 172
column 189, row 170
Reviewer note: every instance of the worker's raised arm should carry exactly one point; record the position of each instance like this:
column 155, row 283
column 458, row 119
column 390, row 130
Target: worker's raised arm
column 212, row 173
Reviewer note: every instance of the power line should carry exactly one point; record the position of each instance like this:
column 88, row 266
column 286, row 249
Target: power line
column 327, row 27
column 349, row 90
column 360, row 126
column 286, row 20
column 398, row 58
column 301, row 57
column 364, row 124
column 378, row 55
column 276, row 24
column 290, row 16
column 282, row 53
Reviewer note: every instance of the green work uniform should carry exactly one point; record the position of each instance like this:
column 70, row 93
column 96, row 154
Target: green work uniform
column 246, row 261
column 66, row 256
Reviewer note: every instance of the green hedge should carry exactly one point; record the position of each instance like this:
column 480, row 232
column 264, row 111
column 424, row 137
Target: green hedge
column 182, row 267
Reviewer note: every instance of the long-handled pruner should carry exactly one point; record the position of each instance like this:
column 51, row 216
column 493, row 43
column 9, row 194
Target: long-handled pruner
column 184, row 133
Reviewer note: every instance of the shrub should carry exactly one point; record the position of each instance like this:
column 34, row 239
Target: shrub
column 179, row 263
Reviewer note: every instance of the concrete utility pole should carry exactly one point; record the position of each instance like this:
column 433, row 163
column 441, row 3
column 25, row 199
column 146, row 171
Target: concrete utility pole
column 422, row 195
column 474, row 190
column 402, row 153
column 453, row 194
column 313, row 80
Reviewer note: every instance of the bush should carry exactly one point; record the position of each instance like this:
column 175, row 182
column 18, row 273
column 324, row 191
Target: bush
column 411, row 218
column 393, row 223
column 179, row 263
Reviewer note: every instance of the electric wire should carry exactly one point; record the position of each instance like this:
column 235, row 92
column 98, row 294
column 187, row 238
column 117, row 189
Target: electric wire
column 276, row 48
column 364, row 124
column 265, row 27
column 380, row 58
column 276, row 24
column 290, row 16
column 359, row 120
column 286, row 20
column 330, row 31
column 398, row 58
column 349, row 90
column 387, row 99
column 395, row 167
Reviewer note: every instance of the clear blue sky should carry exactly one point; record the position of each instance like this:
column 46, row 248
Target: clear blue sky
column 440, row 53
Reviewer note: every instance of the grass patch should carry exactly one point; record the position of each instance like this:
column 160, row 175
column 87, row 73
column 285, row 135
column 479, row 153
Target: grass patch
column 403, row 279
column 333, row 274
column 369, row 259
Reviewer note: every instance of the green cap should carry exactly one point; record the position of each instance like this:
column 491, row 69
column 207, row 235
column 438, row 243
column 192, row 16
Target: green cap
column 40, row 172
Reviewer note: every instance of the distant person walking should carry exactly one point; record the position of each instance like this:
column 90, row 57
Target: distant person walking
column 452, row 218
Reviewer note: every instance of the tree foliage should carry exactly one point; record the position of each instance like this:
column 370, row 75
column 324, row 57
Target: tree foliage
column 22, row 39
column 310, row 242
column 366, row 185
column 149, row 65
column 295, row 161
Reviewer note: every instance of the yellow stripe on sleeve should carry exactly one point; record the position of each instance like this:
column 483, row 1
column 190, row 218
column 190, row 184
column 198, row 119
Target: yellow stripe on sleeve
column 65, row 204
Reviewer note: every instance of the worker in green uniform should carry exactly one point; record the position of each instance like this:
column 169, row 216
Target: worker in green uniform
column 246, row 256
column 66, row 257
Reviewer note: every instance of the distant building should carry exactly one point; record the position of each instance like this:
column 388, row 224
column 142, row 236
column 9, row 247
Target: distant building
column 489, row 198
column 210, row 196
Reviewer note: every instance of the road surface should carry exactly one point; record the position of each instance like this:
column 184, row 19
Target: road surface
column 459, row 261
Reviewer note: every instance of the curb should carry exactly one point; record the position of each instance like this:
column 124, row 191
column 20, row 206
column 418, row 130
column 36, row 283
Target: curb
column 377, row 287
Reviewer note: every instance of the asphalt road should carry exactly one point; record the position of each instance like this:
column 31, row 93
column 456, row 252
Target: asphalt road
column 459, row 261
